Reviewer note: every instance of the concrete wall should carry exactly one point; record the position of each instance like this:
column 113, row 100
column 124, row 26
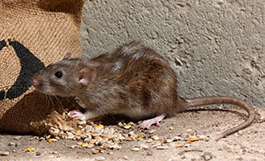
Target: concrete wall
column 216, row 47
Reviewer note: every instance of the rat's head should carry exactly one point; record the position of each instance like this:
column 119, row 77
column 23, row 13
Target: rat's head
column 65, row 78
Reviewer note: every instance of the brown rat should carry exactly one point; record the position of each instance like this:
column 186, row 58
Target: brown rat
column 134, row 81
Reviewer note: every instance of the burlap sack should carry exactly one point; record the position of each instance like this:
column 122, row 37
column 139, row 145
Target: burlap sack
column 33, row 34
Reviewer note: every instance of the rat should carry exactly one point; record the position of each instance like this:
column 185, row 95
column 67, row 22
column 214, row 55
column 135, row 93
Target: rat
column 133, row 80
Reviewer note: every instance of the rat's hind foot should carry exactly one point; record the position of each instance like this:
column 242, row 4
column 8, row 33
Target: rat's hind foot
column 147, row 123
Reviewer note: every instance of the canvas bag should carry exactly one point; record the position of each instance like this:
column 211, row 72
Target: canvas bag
column 33, row 34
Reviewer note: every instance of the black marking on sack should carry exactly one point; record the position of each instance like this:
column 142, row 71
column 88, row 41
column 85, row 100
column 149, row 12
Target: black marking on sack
column 2, row 45
column 29, row 66
column 2, row 95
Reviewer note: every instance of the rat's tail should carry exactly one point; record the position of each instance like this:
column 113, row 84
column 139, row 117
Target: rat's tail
column 225, row 100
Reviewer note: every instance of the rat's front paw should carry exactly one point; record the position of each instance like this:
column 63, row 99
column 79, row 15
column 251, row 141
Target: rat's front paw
column 77, row 115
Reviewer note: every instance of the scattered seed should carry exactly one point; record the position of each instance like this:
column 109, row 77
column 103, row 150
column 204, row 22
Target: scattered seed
column 202, row 137
column 149, row 153
column 126, row 157
column 53, row 152
column 95, row 151
column 135, row 149
column 176, row 138
column 38, row 153
column 168, row 140
column 82, row 122
column 53, row 140
column 183, row 157
column 42, row 138
column 30, row 149
column 100, row 126
column 70, row 135
column 131, row 123
column 17, row 138
column 179, row 145
column 78, row 132
column 157, row 143
column 120, row 124
column 31, row 138
column 6, row 153
column 155, row 137
column 115, row 146
column 189, row 130
column 186, row 145
column 149, row 140
column 127, row 126
column 207, row 156
column 98, row 138
column 55, row 131
column 100, row 158
column 144, row 146
column 192, row 139
column 162, row 147
column 131, row 133
column 11, row 144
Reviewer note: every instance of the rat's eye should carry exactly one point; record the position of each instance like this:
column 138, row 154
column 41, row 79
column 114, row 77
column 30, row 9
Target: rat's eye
column 58, row 74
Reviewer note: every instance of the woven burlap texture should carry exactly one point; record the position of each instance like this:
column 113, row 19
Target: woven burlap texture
column 47, row 29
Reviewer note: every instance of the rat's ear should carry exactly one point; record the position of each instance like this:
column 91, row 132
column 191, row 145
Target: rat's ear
column 67, row 55
column 86, row 75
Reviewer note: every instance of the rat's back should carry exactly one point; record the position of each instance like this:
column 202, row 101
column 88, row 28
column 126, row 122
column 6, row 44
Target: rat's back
column 138, row 81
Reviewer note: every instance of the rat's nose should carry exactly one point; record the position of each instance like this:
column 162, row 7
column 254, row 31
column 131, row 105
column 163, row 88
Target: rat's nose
column 34, row 82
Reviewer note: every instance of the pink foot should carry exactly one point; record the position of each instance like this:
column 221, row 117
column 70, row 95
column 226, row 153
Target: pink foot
column 147, row 123
column 77, row 115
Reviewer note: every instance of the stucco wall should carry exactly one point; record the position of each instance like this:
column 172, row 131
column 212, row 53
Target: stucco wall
column 216, row 47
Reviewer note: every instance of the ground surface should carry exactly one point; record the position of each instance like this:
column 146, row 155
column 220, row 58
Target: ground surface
column 246, row 145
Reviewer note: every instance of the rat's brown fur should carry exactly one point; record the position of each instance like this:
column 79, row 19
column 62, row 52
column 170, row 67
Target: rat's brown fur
column 133, row 80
